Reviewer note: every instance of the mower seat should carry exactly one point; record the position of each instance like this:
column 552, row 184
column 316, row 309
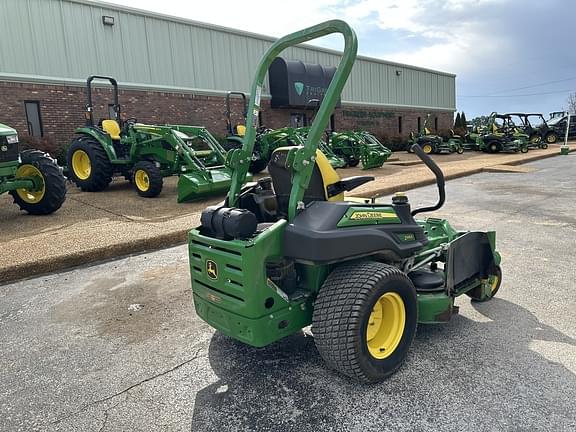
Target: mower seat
column 112, row 128
column 325, row 184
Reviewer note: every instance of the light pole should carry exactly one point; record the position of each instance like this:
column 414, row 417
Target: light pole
column 564, row 149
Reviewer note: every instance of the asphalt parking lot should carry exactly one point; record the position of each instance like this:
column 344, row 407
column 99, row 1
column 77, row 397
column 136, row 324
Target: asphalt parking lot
column 117, row 346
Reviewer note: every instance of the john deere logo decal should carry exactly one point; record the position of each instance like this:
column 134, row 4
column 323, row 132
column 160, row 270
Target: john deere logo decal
column 211, row 269
column 299, row 87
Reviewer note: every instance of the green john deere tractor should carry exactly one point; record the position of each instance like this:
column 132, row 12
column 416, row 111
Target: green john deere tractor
column 536, row 128
column 359, row 146
column 431, row 143
column 32, row 177
column 145, row 154
column 290, row 250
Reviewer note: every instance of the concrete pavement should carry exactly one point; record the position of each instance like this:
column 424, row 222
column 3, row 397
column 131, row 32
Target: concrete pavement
column 117, row 346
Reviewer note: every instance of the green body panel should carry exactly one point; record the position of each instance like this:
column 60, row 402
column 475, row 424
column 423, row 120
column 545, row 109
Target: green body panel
column 434, row 308
column 236, row 302
column 377, row 215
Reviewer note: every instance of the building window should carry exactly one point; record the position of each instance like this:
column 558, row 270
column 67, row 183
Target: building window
column 399, row 124
column 436, row 123
column 297, row 120
column 111, row 112
column 34, row 119
column 419, row 124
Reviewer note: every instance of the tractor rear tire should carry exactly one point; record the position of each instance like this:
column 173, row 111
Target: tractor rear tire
column 88, row 164
column 364, row 320
column 147, row 179
column 351, row 161
column 53, row 193
column 493, row 147
column 257, row 166
column 551, row 138
column 428, row 148
column 495, row 281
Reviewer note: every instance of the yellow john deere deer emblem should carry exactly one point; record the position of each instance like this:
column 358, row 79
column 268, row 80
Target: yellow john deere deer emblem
column 211, row 269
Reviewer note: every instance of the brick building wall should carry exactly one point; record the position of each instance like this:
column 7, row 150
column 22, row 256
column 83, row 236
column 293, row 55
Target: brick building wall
column 62, row 110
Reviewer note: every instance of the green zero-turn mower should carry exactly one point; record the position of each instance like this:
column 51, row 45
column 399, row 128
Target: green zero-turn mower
column 431, row 143
column 145, row 154
column 289, row 251
column 32, row 177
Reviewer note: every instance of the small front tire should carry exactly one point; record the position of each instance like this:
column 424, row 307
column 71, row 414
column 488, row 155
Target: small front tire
column 147, row 179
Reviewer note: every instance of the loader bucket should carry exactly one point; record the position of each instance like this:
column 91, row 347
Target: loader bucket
column 196, row 185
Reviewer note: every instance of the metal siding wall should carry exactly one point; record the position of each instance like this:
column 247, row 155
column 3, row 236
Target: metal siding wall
column 67, row 40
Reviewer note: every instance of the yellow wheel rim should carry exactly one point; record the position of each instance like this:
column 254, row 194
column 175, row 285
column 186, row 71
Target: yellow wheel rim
column 427, row 148
column 494, row 283
column 81, row 164
column 551, row 139
column 142, row 180
column 29, row 196
column 386, row 325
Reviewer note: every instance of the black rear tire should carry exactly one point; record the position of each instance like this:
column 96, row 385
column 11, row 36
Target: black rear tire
column 351, row 161
column 54, row 189
column 342, row 313
column 493, row 147
column 147, row 179
column 551, row 138
column 257, row 166
column 101, row 170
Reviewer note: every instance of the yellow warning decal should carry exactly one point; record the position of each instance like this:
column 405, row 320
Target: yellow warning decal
column 362, row 215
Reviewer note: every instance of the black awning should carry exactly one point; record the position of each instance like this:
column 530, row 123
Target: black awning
column 294, row 83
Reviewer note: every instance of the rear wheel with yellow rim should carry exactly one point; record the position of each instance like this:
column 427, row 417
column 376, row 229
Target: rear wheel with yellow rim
column 49, row 192
column 428, row 148
column 147, row 179
column 364, row 319
column 88, row 164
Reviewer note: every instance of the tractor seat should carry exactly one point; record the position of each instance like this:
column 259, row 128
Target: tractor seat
column 325, row 184
column 425, row 280
column 240, row 129
column 112, row 128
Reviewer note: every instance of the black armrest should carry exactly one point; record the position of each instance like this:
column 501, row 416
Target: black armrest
column 347, row 184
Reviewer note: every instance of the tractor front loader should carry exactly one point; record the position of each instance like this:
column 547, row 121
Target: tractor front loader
column 145, row 154
column 290, row 250
column 32, row 177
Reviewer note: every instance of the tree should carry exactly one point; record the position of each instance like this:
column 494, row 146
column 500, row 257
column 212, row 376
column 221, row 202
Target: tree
column 457, row 121
column 571, row 103
column 463, row 120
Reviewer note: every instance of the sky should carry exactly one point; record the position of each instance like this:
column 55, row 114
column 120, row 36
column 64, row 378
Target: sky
column 508, row 55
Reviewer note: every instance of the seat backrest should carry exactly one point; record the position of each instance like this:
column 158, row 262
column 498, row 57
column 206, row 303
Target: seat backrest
column 112, row 128
column 323, row 175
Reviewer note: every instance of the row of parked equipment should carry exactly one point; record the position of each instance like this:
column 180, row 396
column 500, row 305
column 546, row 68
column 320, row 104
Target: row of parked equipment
column 144, row 154
column 510, row 132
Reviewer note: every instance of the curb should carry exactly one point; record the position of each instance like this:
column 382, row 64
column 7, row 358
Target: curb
column 54, row 264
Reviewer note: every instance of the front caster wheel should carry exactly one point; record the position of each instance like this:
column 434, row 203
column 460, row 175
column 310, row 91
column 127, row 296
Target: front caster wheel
column 364, row 320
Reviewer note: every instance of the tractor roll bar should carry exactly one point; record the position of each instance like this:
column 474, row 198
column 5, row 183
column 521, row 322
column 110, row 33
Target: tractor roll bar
column 301, row 159
column 90, row 107
column 439, row 180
